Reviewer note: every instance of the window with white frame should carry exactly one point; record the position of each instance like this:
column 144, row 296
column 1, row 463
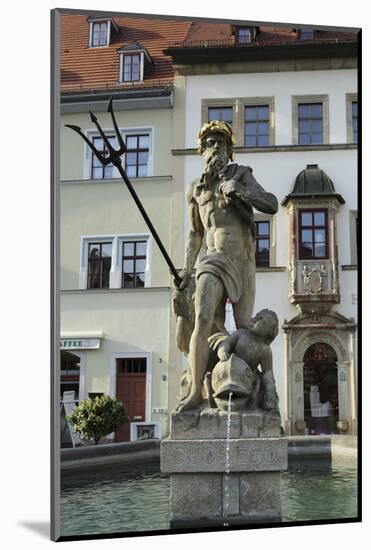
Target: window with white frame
column 97, row 170
column 137, row 160
column 244, row 35
column 115, row 261
column 99, row 34
column 134, row 257
column 100, row 31
column 99, row 264
column 133, row 60
column 131, row 66
column 137, row 154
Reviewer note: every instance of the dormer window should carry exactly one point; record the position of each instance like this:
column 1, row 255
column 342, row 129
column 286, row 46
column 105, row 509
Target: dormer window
column 133, row 60
column 245, row 35
column 100, row 32
column 306, row 34
column 132, row 68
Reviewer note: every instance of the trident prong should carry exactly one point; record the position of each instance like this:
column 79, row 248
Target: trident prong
column 104, row 160
column 114, row 157
column 122, row 146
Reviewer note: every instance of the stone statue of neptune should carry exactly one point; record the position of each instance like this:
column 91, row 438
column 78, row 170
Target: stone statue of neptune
column 220, row 205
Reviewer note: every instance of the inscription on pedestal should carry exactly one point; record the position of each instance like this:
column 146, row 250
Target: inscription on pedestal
column 210, row 456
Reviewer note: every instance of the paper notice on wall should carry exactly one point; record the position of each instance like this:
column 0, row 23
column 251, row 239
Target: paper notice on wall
column 315, row 404
column 69, row 404
column 69, row 396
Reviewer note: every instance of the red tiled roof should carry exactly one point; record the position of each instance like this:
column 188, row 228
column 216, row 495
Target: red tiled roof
column 92, row 69
column 208, row 31
column 85, row 69
column 223, row 33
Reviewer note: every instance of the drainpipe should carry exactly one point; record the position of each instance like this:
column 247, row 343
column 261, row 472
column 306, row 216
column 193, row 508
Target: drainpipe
column 286, row 385
column 352, row 370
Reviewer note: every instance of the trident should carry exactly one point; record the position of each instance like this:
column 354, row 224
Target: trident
column 114, row 157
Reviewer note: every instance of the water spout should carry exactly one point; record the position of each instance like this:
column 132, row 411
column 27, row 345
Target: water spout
column 227, row 463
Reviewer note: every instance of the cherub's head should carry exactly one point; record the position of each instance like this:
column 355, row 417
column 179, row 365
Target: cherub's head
column 265, row 325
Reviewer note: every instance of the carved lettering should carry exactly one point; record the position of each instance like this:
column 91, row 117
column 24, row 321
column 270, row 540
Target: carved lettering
column 221, row 454
column 179, row 456
column 242, row 457
column 270, row 455
column 256, row 455
column 245, row 455
column 194, row 456
column 208, row 456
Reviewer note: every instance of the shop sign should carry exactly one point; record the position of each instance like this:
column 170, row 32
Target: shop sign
column 79, row 343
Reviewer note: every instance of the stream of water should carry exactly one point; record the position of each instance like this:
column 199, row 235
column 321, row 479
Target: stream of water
column 227, row 464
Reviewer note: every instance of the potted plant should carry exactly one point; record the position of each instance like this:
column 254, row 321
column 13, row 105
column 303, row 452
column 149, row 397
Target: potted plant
column 95, row 418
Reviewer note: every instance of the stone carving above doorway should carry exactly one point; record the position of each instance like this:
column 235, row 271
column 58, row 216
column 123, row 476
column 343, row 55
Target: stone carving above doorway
column 313, row 278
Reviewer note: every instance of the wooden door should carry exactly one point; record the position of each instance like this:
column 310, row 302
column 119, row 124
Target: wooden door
column 131, row 390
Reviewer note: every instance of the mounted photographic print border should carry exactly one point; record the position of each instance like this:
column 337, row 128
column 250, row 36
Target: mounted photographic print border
column 289, row 93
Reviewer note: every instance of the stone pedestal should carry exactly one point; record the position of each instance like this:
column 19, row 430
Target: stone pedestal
column 209, row 486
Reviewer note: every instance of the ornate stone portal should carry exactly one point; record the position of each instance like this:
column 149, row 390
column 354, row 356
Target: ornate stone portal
column 338, row 333
column 225, row 452
column 313, row 207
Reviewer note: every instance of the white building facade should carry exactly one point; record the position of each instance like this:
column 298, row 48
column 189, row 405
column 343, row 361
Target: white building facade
column 302, row 149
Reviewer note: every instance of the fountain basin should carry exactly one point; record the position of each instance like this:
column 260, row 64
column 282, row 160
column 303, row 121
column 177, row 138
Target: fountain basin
column 120, row 498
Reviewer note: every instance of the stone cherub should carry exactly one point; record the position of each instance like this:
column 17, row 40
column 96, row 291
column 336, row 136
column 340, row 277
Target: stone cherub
column 233, row 366
column 220, row 206
column 252, row 345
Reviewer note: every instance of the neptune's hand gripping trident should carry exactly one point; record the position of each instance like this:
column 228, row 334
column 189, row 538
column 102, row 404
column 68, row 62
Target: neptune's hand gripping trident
column 114, row 157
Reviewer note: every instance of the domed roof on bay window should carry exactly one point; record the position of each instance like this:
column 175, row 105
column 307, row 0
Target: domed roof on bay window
column 313, row 182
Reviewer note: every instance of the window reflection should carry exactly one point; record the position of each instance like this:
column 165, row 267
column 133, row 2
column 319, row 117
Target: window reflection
column 313, row 234
column 99, row 264
column 134, row 264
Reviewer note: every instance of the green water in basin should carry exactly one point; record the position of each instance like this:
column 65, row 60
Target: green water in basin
column 127, row 500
